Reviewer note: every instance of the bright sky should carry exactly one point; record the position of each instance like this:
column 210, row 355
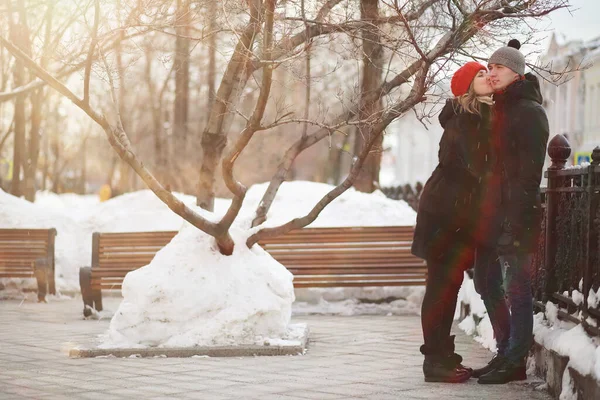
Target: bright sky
column 581, row 23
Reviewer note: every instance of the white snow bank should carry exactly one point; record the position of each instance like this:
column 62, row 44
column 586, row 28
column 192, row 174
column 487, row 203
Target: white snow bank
column 76, row 217
column 365, row 294
column 75, row 205
column 368, row 301
column 351, row 208
column 569, row 340
column 72, row 246
column 477, row 323
column 563, row 337
column 191, row 295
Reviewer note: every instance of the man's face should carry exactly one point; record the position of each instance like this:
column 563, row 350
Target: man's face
column 501, row 76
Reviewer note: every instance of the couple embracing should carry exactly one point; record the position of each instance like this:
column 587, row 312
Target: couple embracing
column 481, row 209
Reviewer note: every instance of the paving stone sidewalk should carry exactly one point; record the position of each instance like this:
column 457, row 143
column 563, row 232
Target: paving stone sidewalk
column 356, row 357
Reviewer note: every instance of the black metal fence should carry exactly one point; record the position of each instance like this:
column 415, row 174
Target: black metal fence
column 405, row 192
column 567, row 261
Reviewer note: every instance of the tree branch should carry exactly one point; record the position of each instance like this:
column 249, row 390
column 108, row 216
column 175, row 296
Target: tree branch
column 116, row 139
column 61, row 73
column 399, row 108
column 90, row 55
column 252, row 125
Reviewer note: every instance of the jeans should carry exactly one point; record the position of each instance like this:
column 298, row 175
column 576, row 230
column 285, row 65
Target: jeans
column 444, row 278
column 511, row 315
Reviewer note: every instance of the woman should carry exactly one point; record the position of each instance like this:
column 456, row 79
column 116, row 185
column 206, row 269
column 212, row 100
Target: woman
column 451, row 220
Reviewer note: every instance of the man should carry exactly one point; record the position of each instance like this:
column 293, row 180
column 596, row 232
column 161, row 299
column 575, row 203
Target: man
column 520, row 129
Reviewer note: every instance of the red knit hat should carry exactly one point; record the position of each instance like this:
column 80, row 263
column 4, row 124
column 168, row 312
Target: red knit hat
column 461, row 80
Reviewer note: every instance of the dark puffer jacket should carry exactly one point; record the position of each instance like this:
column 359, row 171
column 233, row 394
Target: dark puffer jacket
column 521, row 123
column 456, row 203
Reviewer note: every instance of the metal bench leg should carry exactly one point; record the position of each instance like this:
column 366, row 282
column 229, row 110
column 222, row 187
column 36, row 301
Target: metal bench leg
column 51, row 280
column 85, row 283
column 97, row 296
column 40, row 272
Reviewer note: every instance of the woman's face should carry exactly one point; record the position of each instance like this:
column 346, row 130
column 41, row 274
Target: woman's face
column 481, row 84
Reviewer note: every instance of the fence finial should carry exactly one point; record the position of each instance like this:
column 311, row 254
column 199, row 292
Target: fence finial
column 596, row 156
column 559, row 150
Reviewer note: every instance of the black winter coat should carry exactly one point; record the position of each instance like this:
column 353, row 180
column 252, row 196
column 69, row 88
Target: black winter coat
column 452, row 202
column 521, row 123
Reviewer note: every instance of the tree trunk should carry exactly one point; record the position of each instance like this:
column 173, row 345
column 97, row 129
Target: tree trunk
column 46, row 161
column 212, row 53
column 336, row 160
column 20, row 36
column 368, row 178
column 111, row 171
column 37, row 99
column 83, row 174
column 124, row 183
column 214, row 137
column 182, row 77
column 55, row 167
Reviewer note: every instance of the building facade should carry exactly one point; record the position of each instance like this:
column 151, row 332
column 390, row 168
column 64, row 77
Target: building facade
column 572, row 99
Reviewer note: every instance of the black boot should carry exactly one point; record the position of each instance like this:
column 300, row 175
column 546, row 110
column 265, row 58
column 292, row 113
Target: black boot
column 443, row 365
column 496, row 361
column 455, row 359
column 507, row 371
column 438, row 368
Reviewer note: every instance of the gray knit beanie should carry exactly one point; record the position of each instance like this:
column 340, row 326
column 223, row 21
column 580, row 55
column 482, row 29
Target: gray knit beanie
column 510, row 57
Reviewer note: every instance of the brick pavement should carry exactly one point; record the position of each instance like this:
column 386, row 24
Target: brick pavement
column 359, row 357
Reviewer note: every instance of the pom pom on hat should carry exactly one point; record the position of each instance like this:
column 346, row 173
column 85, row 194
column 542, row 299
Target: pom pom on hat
column 461, row 80
column 514, row 43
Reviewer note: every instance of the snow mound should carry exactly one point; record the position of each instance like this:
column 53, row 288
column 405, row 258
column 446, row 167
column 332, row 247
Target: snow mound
column 75, row 205
column 76, row 217
column 191, row 295
column 141, row 211
column 72, row 244
column 352, row 208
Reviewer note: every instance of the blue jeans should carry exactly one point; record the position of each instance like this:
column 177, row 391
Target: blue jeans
column 511, row 315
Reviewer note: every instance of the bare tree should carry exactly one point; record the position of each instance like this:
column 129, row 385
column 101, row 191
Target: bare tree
column 420, row 38
column 19, row 33
column 182, row 76
column 369, row 107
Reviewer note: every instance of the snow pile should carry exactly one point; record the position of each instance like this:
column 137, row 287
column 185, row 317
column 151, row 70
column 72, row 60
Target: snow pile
column 136, row 212
column 379, row 300
column 76, row 206
column 72, row 246
column 77, row 217
column 569, row 340
column 191, row 295
column 565, row 338
column 477, row 323
column 351, row 208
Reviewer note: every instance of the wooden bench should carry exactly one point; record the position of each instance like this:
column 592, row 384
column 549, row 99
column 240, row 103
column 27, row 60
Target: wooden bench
column 317, row 257
column 29, row 253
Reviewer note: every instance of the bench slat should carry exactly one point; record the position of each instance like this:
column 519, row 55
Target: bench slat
column 318, row 257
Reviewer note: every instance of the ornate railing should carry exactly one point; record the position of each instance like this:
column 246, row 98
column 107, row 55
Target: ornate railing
column 405, row 192
column 567, row 261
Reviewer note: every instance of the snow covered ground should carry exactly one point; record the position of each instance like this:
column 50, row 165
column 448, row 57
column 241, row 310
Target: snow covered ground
column 190, row 294
column 565, row 338
column 168, row 303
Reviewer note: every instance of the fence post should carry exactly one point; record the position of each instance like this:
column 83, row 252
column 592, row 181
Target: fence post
column 591, row 247
column 559, row 151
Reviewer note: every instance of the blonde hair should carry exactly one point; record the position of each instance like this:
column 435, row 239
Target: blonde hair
column 468, row 102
